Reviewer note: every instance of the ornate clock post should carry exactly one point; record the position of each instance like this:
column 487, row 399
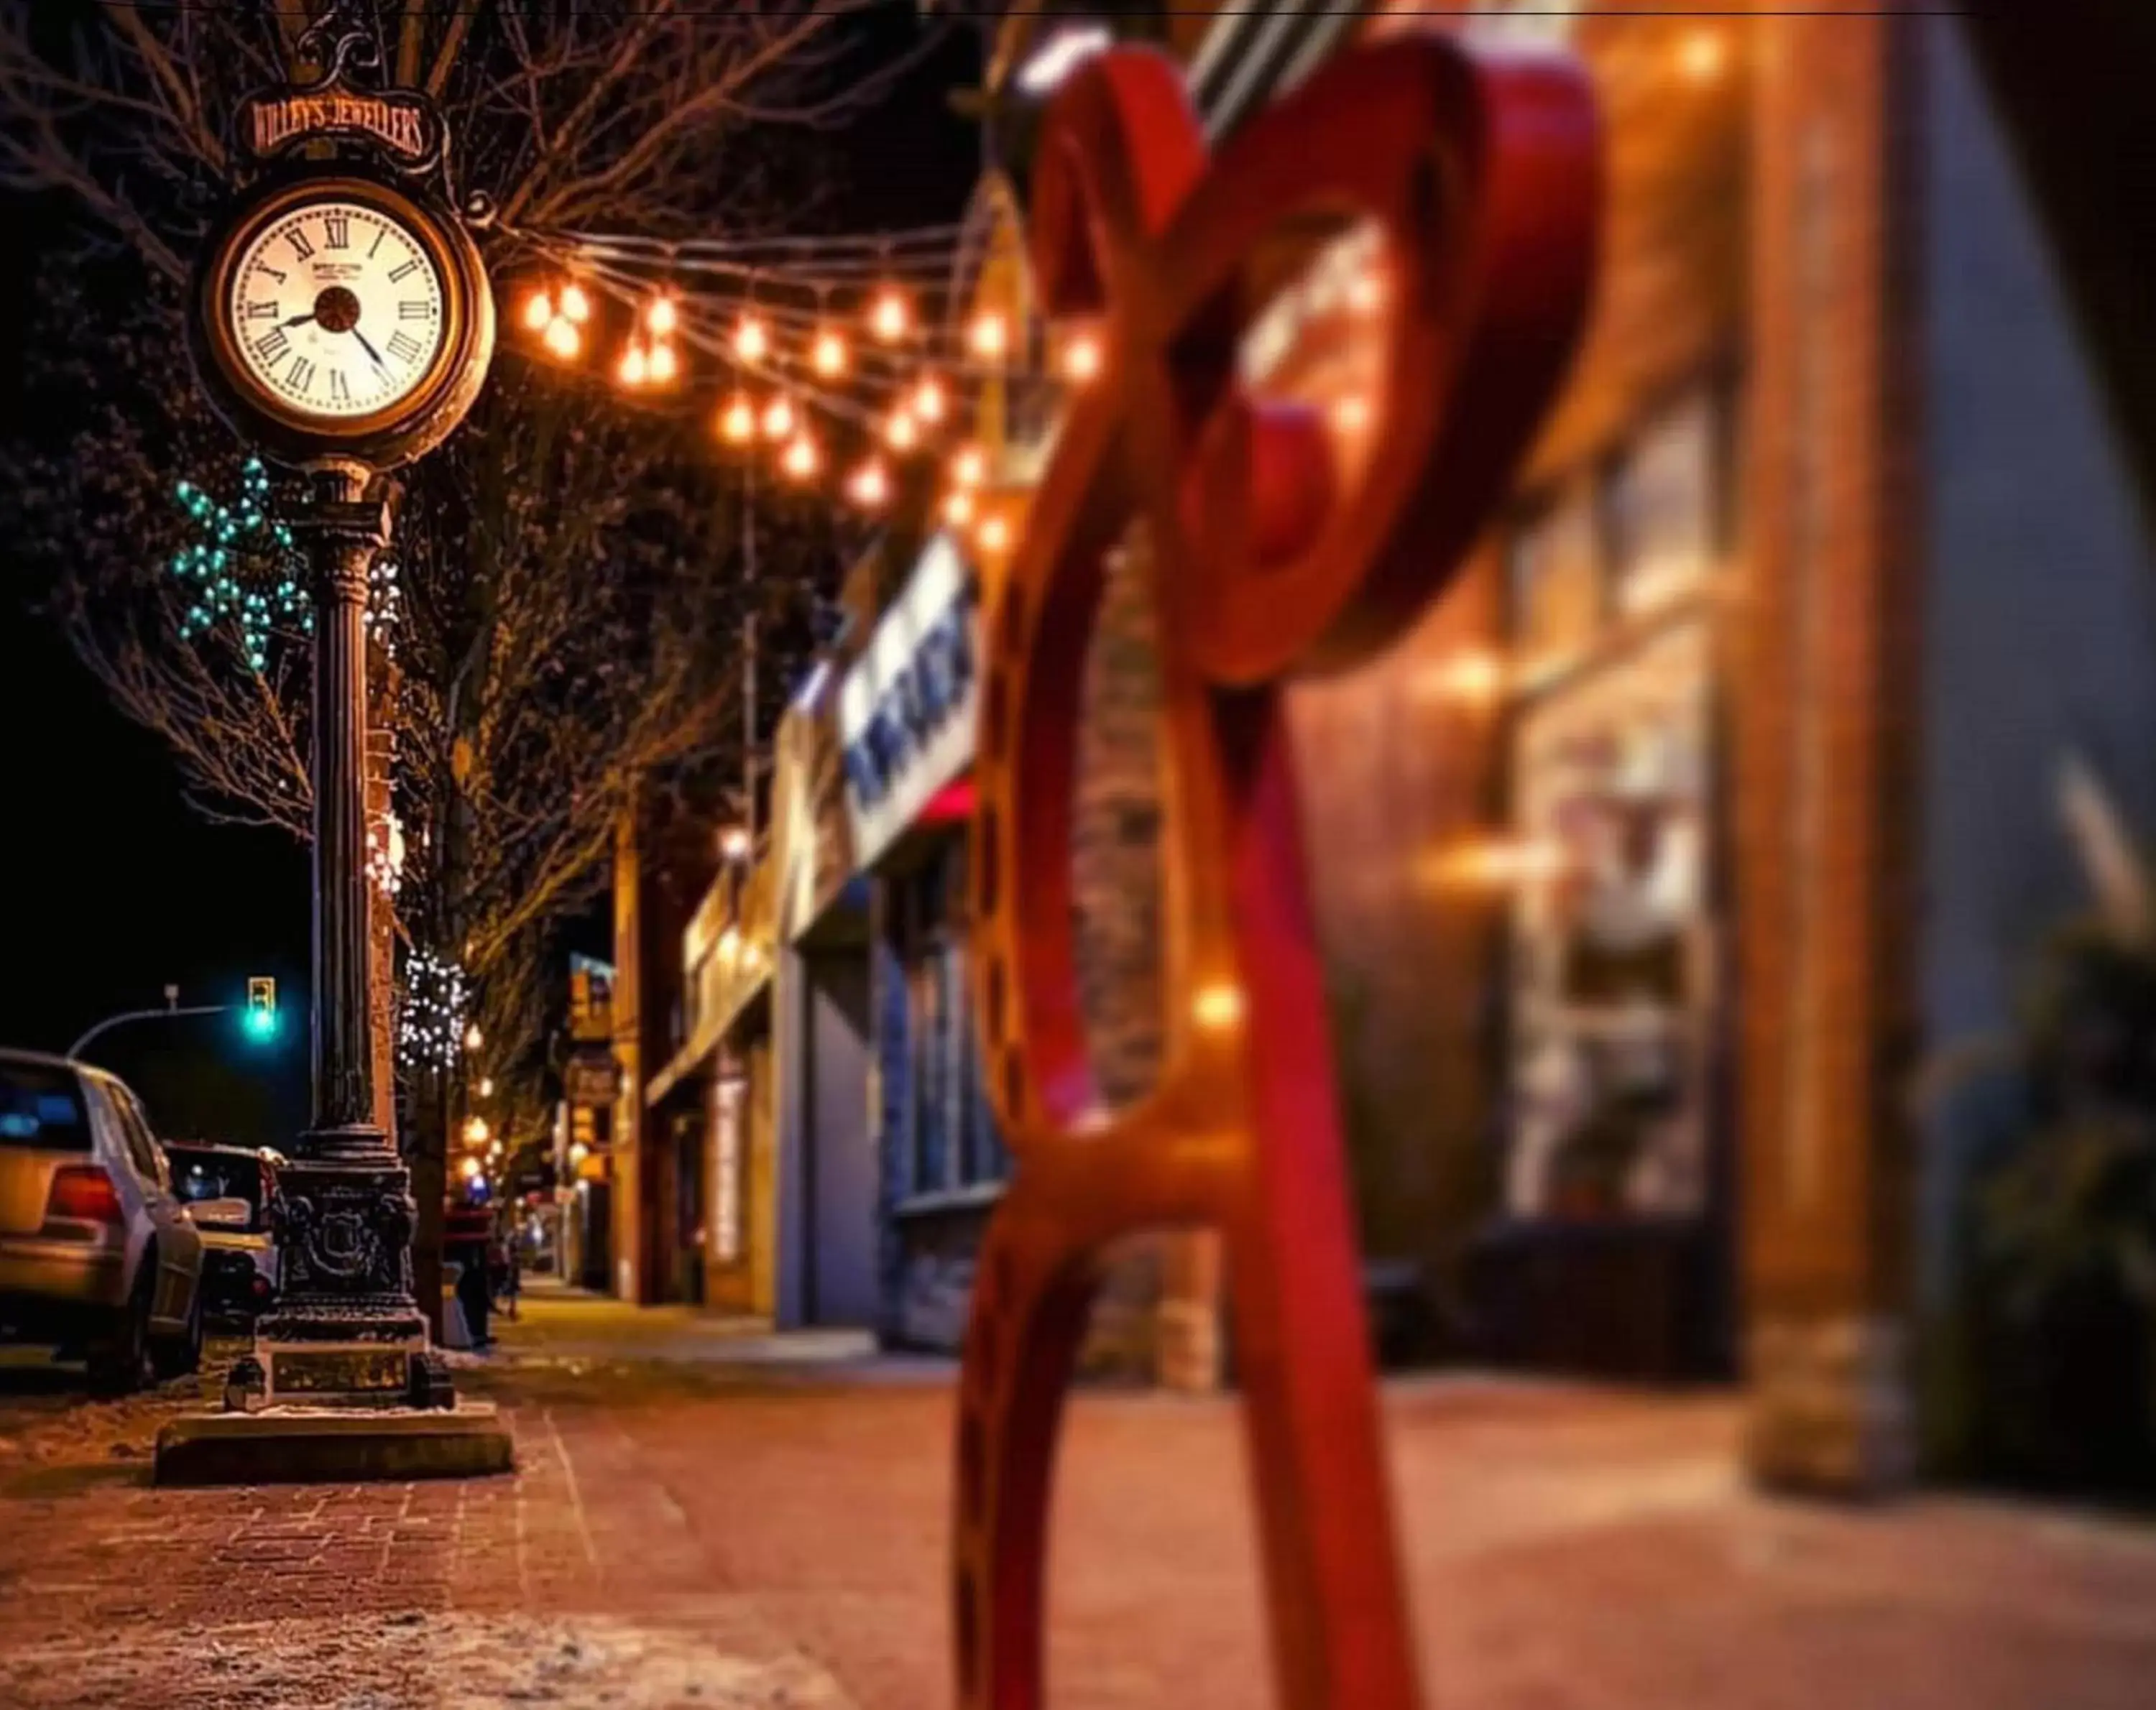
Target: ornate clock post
column 340, row 323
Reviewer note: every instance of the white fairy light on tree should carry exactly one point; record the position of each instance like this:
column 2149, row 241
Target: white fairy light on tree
column 430, row 1026
column 385, row 855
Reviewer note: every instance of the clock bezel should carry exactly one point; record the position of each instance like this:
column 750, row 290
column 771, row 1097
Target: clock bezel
column 398, row 431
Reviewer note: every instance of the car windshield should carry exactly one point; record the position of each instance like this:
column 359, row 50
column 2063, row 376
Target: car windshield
column 41, row 1107
column 198, row 1176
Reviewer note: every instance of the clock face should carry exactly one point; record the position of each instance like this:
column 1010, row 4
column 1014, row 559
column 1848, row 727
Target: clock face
column 337, row 310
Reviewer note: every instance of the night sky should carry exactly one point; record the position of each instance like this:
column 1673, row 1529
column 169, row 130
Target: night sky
column 114, row 887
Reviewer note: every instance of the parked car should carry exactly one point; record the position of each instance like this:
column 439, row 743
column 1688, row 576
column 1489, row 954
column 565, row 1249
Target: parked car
column 97, row 1255
column 228, row 1191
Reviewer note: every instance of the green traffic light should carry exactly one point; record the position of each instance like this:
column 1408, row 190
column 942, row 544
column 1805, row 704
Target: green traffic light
column 262, row 1023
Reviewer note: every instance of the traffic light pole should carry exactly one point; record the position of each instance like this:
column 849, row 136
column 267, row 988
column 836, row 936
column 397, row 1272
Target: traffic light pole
column 171, row 1011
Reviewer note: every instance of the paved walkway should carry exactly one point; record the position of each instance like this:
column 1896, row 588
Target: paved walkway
column 685, row 1530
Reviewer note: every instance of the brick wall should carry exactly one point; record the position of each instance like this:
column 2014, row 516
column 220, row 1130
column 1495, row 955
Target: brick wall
column 1826, row 716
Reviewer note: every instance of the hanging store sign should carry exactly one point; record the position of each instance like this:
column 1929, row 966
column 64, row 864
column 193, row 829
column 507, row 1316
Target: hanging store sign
column 907, row 708
column 592, row 1080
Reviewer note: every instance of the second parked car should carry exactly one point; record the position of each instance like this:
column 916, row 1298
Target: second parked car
column 228, row 1191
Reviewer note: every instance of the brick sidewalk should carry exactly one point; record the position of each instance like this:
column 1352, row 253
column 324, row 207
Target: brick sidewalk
column 683, row 1531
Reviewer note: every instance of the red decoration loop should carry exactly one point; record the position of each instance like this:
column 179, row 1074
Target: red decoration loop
column 1480, row 180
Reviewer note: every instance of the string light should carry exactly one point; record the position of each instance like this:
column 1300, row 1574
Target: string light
column 385, row 855
column 661, row 316
column 562, row 338
column 958, row 510
column 751, row 339
column 666, row 366
column 476, row 1131
column 927, row 403
column 828, row 354
column 994, row 535
column 901, row 432
column 1082, row 358
column 472, row 1038
column 989, row 335
column 870, row 487
column 575, row 305
column 890, row 318
column 538, row 311
column 244, row 572
column 801, row 460
column 778, row 418
column 969, row 466
column 431, row 1020
column 1702, row 56
column 635, row 367
column 738, row 421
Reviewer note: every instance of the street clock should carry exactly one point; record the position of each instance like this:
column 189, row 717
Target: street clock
column 340, row 311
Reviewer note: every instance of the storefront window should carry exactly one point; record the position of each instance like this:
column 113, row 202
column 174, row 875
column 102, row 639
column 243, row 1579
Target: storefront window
column 1555, row 573
column 1663, row 504
column 1611, row 961
column 950, row 1140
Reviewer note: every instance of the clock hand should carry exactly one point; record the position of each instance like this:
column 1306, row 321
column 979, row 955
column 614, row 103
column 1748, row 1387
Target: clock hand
column 370, row 349
column 300, row 320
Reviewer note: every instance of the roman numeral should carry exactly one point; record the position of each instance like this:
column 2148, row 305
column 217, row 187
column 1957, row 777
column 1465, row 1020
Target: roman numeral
column 405, row 270
column 413, row 308
column 262, row 311
column 272, row 345
column 302, row 248
column 404, row 347
column 339, row 228
column 380, row 234
column 302, row 374
column 340, row 393
column 264, row 267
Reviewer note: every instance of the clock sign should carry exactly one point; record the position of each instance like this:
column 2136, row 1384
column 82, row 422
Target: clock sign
column 341, row 318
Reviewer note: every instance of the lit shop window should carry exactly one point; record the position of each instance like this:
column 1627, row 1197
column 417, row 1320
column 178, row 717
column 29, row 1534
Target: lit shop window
column 729, row 1114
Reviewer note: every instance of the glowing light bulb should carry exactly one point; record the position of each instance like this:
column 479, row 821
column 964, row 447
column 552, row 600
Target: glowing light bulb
column 636, row 367
column 665, row 366
column 888, row 318
column 751, row 339
column 538, row 310
column 778, row 418
column 828, row 354
column 476, row 1131
column 661, row 315
column 471, row 1168
column 1366, row 292
column 1702, row 56
column 487, row 1086
column 575, row 305
column 1351, row 414
column 1218, row 1006
column 927, row 403
column 800, row 461
column 1082, row 358
column 870, row 486
column 989, row 335
column 969, row 466
column 902, row 432
column 994, row 534
column 561, row 338
column 958, row 510
column 738, row 421
column 472, row 1038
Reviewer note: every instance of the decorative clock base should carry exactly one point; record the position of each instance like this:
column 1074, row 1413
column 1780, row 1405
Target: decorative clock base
column 343, row 1385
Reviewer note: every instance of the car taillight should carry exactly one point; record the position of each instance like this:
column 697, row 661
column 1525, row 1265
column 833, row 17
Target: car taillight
column 83, row 1193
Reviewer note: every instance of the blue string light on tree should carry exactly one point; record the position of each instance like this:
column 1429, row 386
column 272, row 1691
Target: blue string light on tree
column 430, row 1027
column 246, row 571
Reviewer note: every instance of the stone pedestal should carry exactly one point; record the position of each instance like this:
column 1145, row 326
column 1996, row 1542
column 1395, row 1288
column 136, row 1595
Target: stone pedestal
column 1829, row 1412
